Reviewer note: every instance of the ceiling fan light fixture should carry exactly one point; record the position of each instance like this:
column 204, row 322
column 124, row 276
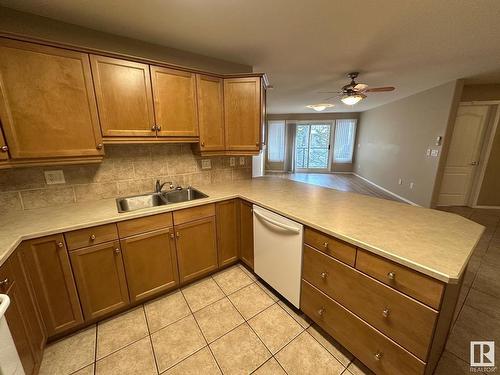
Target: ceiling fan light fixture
column 320, row 107
column 351, row 99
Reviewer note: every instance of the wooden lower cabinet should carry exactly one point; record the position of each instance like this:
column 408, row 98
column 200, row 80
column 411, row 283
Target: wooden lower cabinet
column 196, row 248
column 379, row 353
column 227, row 232
column 100, row 278
column 246, row 233
column 49, row 271
column 150, row 263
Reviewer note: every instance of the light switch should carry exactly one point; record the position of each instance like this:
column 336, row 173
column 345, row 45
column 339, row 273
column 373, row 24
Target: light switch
column 242, row 160
column 232, row 161
column 54, row 177
column 206, row 164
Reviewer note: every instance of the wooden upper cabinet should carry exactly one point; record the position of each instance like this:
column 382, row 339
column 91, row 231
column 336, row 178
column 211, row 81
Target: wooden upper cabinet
column 100, row 278
column 47, row 102
column 150, row 263
column 246, row 233
column 227, row 231
column 242, row 113
column 49, row 271
column 174, row 94
column 196, row 248
column 4, row 149
column 210, row 112
column 124, row 97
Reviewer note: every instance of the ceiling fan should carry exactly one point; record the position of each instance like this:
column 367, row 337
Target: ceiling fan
column 354, row 92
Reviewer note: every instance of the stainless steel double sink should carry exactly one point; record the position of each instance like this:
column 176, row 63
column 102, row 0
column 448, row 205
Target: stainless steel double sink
column 137, row 202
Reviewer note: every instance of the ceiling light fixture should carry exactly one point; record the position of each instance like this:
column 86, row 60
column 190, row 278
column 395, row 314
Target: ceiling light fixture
column 351, row 99
column 320, row 107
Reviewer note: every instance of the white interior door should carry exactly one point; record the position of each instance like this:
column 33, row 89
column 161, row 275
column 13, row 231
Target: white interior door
column 463, row 155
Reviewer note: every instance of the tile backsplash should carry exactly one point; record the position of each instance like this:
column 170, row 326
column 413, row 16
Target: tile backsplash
column 126, row 170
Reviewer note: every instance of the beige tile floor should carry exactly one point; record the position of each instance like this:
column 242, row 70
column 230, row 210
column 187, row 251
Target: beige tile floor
column 231, row 323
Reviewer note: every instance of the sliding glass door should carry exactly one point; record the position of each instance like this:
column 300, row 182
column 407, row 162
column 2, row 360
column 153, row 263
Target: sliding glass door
column 312, row 147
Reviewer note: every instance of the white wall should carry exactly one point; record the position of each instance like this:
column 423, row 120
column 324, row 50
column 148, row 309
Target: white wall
column 393, row 140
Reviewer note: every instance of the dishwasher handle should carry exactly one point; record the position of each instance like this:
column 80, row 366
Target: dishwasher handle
column 276, row 223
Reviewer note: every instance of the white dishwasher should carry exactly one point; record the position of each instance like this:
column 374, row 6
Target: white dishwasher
column 278, row 252
column 10, row 364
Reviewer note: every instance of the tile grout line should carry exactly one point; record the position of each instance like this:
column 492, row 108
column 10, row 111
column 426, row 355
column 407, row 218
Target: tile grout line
column 196, row 321
column 150, row 338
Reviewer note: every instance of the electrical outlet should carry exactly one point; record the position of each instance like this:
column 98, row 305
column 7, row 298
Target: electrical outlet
column 434, row 153
column 54, row 177
column 206, row 164
column 411, row 185
column 242, row 160
column 232, row 161
column 400, row 182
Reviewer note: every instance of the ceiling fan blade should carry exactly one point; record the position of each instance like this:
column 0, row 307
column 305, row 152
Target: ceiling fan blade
column 360, row 87
column 329, row 92
column 381, row 89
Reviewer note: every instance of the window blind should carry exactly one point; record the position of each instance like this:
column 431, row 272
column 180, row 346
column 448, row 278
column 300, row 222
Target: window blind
column 276, row 141
column 345, row 131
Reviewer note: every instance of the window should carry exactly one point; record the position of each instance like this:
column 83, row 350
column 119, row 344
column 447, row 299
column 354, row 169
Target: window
column 312, row 146
column 345, row 131
column 276, row 141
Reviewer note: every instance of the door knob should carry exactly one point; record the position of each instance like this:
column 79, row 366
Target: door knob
column 386, row 312
column 324, row 275
column 92, row 237
column 391, row 275
column 378, row 356
column 4, row 148
column 60, row 244
column 158, row 127
column 117, row 251
column 153, row 128
column 321, row 311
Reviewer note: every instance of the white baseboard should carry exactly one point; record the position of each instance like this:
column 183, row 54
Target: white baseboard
column 387, row 191
column 488, row 207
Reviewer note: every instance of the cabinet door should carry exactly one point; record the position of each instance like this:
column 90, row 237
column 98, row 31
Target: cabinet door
column 150, row 263
column 47, row 102
column 4, row 149
column 227, row 231
column 246, row 233
column 196, row 248
column 50, row 275
column 174, row 93
column 124, row 97
column 242, row 113
column 210, row 112
column 32, row 316
column 100, row 279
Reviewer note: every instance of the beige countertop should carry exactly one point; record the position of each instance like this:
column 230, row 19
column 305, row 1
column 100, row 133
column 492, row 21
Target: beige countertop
column 435, row 243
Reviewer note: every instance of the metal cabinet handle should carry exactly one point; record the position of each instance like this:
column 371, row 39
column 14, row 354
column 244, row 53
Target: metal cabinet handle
column 92, row 237
column 4, row 283
column 391, row 275
column 4, row 148
column 158, row 127
column 386, row 312
column 178, row 235
column 202, row 144
column 378, row 356
column 321, row 311
column 172, row 236
column 324, row 275
column 60, row 244
column 325, row 245
column 117, row 251
column 153, row 128
column 99, row 146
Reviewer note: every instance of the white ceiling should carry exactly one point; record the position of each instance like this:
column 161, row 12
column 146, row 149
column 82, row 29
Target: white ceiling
column 309, row 46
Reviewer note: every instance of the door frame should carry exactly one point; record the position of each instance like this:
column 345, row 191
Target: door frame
column 487, row 145
column 488, row 138
column 330, row 148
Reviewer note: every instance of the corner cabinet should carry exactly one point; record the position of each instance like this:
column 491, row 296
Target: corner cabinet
column 243, row 101
column 228, row 231
column 47, row 103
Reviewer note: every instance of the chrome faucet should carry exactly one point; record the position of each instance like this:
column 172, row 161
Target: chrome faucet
column 159, row 186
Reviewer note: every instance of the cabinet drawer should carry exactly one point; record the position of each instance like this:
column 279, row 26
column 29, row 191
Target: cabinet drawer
column 144, row 224
column 406, row 321
column 404, row 279
column 91, row 236
column 375, row 350
column 331, row 246
column 194, row 213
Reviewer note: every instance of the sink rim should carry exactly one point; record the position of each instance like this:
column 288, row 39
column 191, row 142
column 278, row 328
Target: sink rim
column 163, row 197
